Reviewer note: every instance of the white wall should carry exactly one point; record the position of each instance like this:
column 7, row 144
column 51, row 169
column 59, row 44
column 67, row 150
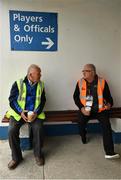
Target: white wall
column 120, row 46
column 0, row 58
column 89, row 31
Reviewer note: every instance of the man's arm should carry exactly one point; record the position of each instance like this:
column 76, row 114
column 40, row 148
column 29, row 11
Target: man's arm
column 107, row 96
column 13, row 99
column 76, row 97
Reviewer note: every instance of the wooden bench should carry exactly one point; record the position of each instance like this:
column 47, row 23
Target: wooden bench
column 59, row 117
column 70, row 115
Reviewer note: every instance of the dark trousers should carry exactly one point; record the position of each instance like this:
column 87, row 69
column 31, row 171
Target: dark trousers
column 103, row 118
column 36, row 128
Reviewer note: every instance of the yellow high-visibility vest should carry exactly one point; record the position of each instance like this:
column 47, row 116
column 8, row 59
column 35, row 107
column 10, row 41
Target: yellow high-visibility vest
column 22, row 99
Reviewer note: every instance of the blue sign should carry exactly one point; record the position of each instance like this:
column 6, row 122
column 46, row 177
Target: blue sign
column 33, row 31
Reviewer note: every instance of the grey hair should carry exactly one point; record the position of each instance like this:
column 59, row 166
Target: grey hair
column 33, row 66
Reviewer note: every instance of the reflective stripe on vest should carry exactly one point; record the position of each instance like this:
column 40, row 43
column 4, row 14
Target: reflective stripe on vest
column 100, row 87
column 22, row 99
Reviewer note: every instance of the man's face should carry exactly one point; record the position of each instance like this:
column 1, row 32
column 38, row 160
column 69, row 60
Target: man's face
column 88, row 72
column 35, row 75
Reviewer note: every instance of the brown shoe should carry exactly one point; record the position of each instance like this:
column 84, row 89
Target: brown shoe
column 12, row 164
column 40, row 161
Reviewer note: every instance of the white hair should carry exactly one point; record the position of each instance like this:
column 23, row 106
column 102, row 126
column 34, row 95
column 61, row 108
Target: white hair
column 33, row 66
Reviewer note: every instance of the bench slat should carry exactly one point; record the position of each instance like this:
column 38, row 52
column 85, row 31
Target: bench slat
column 70, row 115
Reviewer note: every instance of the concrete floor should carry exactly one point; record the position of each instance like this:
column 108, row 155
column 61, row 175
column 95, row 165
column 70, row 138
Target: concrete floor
column 65, row 158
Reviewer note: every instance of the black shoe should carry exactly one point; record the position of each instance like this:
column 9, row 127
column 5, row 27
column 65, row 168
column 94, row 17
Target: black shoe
column 40, row 161
column 84, row 140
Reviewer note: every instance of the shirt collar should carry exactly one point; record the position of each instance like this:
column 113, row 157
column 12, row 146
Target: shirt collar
column 31, row 83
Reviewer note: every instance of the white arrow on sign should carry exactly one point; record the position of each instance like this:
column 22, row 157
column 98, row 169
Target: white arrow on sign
column 49, row 42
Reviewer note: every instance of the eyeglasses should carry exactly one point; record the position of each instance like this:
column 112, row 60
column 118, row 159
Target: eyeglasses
column 87, row 71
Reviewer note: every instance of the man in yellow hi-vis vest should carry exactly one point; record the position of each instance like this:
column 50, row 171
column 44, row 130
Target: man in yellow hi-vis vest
column 27, row 100
column 93, row 98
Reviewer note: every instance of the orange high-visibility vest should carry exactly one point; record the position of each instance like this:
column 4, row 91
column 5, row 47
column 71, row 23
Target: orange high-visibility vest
column 100, row 87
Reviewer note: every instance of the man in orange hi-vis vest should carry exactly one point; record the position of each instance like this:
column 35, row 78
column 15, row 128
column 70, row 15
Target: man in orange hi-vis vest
column 93, row 98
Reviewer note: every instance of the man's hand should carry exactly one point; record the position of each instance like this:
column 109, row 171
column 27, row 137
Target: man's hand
column 108, row 106
column 86, row 113
column 24, row 117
